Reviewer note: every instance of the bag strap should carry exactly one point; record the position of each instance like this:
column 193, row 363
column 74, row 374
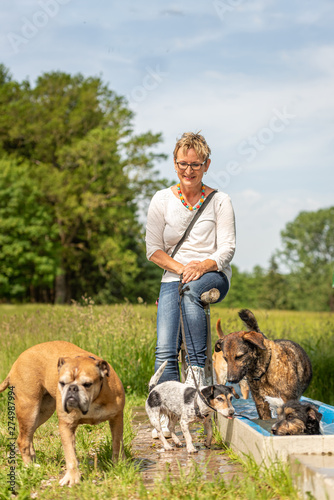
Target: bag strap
column 192, row 222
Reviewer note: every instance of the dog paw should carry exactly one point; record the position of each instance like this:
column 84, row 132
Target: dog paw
column 70, row 478
column 170, row 448
column 192, row 450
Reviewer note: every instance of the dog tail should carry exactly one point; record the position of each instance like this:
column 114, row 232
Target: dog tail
column 249, row 319
column 4, row 384
column 156, row 377
column 274, row 403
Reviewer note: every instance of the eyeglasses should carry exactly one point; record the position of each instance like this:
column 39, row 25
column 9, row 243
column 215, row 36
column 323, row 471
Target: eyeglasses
column 183, row 165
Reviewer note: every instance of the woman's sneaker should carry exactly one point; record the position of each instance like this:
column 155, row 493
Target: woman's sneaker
column 198, row 373
column 164, row 428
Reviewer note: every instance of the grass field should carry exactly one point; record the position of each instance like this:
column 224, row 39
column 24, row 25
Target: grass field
column 125, row 336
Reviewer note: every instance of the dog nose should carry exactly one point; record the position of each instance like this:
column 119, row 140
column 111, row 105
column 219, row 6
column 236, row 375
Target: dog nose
column 73, row 388
column 274, row 430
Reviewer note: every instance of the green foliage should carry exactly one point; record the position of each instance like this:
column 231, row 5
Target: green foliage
column 70, row 145
column 309, row 241
column 308, row 253
column 28, row 235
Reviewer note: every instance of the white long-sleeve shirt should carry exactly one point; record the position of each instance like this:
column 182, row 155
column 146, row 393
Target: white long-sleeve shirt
column 212, row 236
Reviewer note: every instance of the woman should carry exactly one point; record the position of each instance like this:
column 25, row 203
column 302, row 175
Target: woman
column 203, row 260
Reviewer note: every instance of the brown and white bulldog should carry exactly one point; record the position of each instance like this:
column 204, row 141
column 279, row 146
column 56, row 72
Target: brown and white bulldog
column 80, row 385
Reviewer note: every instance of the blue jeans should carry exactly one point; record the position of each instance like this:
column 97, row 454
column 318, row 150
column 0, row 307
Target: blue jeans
column 169, row 337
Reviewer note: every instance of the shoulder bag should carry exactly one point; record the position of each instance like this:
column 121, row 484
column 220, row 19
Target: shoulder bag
column 192, row 222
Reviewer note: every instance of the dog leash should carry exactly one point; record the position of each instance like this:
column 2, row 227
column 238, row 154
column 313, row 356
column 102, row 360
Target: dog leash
column 181, row 293
column 242, row 416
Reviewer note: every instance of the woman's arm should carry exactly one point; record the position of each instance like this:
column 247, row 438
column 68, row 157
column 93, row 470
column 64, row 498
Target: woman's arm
column 225, row 234
column 163, row 260
column 155, row 226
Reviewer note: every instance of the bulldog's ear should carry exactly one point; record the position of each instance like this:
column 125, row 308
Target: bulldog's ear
column 61, row 362
column 103, row 367
column 255, row 338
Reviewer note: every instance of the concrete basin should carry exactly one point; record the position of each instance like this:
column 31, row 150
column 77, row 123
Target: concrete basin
column 248, row 435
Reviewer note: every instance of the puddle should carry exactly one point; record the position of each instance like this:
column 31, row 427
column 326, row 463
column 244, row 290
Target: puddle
column 155, row 463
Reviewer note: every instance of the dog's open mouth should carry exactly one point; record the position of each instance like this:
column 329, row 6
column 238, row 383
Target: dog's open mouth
column 229, row 417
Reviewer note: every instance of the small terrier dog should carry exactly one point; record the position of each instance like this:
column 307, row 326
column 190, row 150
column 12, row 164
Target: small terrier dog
column 182, row 403
column 295, row 417
column 276, row 368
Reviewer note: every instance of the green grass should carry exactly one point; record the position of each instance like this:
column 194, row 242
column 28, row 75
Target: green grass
column 125, row 335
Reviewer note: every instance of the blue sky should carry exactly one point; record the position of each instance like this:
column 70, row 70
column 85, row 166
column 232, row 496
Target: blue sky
column 256, row 77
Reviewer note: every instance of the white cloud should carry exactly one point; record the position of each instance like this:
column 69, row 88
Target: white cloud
column 224, row 77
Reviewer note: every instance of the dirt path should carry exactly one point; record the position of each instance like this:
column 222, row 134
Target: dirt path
column 155, row 463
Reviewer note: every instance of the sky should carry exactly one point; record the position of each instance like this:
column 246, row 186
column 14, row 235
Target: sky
column 256, row 77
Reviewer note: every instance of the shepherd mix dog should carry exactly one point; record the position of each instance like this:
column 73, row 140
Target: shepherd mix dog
column 276, row 368
column 220, row 368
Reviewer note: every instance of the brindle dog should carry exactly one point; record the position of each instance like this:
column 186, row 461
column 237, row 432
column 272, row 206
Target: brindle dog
column 296, row 417
column 276, row 368
column 220, row 368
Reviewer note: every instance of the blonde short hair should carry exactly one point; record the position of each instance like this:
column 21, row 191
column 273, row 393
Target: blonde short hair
column 190, row 140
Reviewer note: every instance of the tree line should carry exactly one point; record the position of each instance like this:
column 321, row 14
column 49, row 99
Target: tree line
column 74, row 179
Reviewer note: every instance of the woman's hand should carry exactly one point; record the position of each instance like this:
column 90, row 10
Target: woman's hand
column 196, row 268
column 192, row 271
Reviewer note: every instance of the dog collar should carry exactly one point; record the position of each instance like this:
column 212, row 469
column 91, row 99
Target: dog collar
column 198, row 412
column 259, row 378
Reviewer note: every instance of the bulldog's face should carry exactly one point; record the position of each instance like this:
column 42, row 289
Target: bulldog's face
column 80, row 381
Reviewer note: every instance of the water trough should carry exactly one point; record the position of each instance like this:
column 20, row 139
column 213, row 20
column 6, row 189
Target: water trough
column 311, row 458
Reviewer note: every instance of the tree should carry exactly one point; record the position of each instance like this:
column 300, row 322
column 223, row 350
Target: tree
column 308, row 253
column 28, row 235
column 273, row 288
column 91, row 173
column 244, row 288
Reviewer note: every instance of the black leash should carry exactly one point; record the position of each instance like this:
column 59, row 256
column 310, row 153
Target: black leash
column 242, row 416
column 181, row 293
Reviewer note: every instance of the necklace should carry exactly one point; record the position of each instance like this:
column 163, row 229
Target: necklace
column 195, row 207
